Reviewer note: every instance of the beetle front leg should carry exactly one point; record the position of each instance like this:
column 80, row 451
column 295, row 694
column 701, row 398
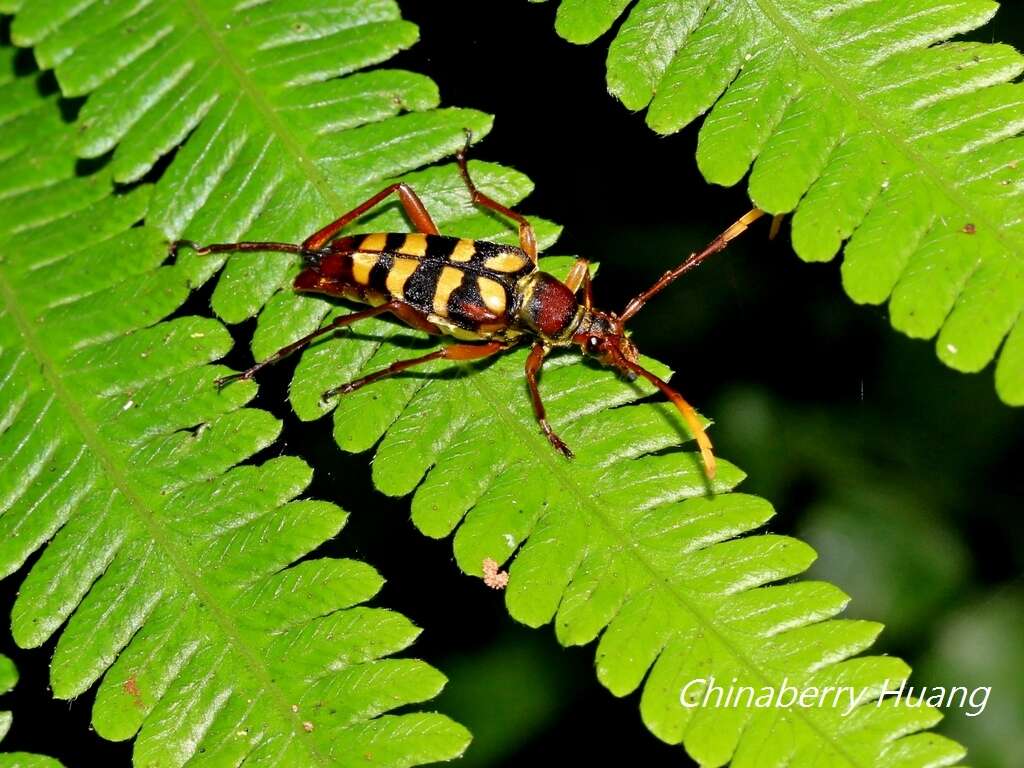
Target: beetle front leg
column 579, row 277
column 533, row 365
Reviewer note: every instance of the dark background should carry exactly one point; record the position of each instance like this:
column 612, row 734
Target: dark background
column 903, row 474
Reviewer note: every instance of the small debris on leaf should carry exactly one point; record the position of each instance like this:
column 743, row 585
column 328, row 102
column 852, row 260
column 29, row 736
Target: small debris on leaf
column 493, row 576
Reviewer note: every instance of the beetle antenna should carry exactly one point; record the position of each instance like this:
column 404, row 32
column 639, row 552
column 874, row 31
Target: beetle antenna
column 688, row 413
column 694, row 259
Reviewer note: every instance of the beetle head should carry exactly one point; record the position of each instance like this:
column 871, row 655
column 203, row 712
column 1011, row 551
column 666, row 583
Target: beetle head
column 601, row 335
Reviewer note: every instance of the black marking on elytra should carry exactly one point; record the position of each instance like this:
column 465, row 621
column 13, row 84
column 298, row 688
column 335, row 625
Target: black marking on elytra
column 467, row 294
column 394, row 241
column 379, row 273
column 440, row 247
column 422, row 284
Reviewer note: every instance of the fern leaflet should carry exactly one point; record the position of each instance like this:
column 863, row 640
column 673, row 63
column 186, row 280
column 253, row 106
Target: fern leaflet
column 879, row 135
column 171, row 566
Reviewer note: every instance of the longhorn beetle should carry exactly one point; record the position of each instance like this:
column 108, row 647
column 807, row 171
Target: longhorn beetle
column 490, row 297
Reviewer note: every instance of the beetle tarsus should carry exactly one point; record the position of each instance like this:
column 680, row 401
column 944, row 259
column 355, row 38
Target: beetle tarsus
column 344, row 389
column 223, row 381
column 464, row 150
column 176, row 245
column 559, row 445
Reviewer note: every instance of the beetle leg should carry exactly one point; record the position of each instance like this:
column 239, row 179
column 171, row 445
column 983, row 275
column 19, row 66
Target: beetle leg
column 451, row 352
column 248, row 245
column 579, row 277
column 533, row 365
column 413, row 318
column 411, row 203
column 305, row 341
column 414, row 209
column 527, row 238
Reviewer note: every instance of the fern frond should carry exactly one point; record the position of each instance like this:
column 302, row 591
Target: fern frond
column 622, row 544
column 877, row 133
column 170, row 556
column 280, row 144
column 8, row 678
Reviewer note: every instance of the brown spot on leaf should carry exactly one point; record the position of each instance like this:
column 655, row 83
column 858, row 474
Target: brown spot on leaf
column 131, row 687
column 969, row 229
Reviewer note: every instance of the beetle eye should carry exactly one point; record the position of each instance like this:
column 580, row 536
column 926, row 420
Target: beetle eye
column 593, row 344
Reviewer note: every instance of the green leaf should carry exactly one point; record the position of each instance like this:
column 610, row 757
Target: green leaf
column 883, row 139
column 170, row 552
column 26, row 760
column 277, row 150
column 583, row 21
